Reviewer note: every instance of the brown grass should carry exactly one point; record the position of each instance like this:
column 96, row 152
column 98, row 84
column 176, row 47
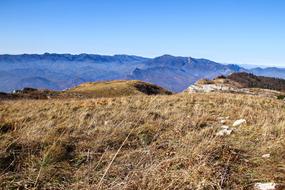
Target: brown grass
column 141, row 142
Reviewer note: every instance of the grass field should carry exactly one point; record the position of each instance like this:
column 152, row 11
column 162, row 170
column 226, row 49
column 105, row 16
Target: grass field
column 141, row 142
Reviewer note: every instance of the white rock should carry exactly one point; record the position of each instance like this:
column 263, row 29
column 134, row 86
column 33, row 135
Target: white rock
column 239, row 122
column 223, row 118
column 223, row 121
column 224, row 132
column 225, row 127
column 265, row 186
column 265, row 156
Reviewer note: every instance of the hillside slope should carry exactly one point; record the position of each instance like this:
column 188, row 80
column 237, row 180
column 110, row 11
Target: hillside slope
column 142, row 142
column 105, row 89
column 241, row 83
column 247, row 80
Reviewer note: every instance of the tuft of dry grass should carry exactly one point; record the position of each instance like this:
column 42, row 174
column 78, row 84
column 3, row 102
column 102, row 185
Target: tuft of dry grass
column 141, row 142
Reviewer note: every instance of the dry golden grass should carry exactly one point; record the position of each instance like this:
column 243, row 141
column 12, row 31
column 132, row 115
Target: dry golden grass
column 114, row 89
column 141, row 142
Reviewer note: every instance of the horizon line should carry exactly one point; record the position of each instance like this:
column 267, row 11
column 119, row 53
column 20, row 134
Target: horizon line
column 147, row 57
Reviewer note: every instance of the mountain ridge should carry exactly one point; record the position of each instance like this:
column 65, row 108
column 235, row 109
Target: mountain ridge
column 62, row 71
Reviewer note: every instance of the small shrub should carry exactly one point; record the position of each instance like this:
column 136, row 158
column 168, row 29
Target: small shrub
column 10, row 157
column 62, row 151
column 5, row 127
column 281, row 97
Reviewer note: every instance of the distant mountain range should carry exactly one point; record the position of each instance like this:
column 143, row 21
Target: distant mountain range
column 61, row 71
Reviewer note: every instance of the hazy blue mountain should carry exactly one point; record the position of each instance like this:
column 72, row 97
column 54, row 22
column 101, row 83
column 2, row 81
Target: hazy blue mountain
column 269, row 72
column 249, row 66
column 61, row 71
column 36, row 82
column 177, row 73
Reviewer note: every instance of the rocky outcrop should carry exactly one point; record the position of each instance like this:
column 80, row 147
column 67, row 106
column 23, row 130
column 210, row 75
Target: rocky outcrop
column 212, row 88
column 226, row 85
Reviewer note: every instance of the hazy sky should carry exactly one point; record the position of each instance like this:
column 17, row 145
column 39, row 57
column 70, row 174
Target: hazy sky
column 229, row 31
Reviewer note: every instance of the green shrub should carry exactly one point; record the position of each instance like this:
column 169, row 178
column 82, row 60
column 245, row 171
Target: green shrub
column 281, row 97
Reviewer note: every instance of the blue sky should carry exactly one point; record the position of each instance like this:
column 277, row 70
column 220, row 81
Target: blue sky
column 228, row 31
